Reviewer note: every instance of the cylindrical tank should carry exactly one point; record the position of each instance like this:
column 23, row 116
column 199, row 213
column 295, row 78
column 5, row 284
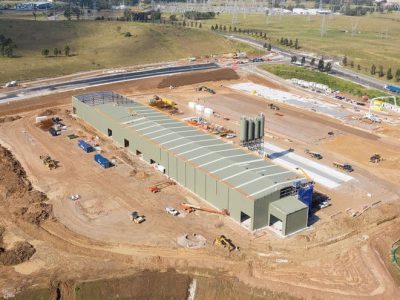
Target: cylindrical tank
column 262, row 117
column 244, row 128
column 257, row 125
column 251, row 129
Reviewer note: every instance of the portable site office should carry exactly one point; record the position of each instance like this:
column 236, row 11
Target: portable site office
column 256, row 192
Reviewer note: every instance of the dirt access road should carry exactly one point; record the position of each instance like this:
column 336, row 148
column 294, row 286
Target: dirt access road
column 342, row 258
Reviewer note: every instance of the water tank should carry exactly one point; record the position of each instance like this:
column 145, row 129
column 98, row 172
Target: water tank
column 257, row 124
column 244, row 128
column 251, row 129
column 192, row 105
column 262, row 117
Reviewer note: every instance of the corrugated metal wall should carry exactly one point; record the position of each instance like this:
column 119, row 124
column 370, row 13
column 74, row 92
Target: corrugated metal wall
column 205, row 186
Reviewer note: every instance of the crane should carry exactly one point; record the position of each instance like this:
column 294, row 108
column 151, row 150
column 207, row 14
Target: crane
column 305, row 174
column 190, row 208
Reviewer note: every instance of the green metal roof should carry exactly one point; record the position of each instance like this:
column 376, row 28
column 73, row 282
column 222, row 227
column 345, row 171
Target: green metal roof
column 240, row 169
column 288, row 205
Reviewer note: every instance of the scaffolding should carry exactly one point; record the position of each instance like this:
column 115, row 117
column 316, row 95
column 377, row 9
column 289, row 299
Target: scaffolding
column 94, row 99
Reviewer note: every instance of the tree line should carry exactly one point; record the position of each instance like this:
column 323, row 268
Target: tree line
column 56, row 52
column 321, row 65
column 253, row 32
column 289, row 42
column 374, row 70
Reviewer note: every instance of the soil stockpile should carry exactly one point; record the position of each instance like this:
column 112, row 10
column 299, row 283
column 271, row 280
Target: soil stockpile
column 198, row 77
column 22, row 251
column 9, row 119
column 17, row 195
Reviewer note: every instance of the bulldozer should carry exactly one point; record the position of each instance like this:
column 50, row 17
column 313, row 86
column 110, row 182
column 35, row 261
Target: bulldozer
column 376, row 158
column 48, row 161
column 226, row 243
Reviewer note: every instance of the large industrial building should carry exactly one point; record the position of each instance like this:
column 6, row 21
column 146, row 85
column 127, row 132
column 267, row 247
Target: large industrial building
column 256, row 192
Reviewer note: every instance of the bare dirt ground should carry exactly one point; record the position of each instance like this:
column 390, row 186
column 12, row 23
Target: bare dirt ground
column 340, row 258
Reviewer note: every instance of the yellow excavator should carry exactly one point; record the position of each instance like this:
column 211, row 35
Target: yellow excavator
column 226, row 243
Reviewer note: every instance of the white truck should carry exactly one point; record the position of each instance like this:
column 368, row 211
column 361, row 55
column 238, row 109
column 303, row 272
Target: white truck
column 11, row 84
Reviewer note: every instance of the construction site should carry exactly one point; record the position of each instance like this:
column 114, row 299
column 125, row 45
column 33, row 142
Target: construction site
column 226, row 183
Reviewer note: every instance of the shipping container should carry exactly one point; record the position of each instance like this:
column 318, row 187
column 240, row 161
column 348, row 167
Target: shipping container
column 85, row 146
column 102, row 161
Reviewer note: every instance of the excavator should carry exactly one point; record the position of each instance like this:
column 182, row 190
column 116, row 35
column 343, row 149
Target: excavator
column 226, row 243
column 48, row 161
column 191, row 208
column 159, row 186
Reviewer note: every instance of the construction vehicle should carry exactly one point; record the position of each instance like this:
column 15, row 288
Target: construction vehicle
column 159, row 186
column 305, row 174
column 204, row 88
column 226, row 243
column 135, row 217
column 191, row 208
column 376, row 158
column 273, row 106
column 48, row 161
column 345, row 167
column 313, row 154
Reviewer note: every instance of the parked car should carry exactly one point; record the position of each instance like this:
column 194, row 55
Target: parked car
column 172, row 211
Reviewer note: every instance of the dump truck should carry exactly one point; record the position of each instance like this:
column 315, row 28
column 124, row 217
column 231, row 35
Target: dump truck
column 226, row 243
column 135, row 217
column 345, row 167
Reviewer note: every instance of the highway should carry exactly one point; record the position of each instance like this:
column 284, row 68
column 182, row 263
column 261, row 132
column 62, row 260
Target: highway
column 337, row 70
column 101, row 80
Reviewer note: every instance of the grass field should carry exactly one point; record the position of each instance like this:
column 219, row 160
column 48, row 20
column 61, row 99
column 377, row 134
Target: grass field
column 376, row 39
column 290, row 71
column 96, row 45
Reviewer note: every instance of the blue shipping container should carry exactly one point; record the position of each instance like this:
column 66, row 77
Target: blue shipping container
column 305, row 195
column 102, row 161
column 85, row 146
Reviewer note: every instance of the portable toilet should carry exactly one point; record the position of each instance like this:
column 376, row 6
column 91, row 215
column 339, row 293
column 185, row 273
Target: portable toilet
column 102, row 161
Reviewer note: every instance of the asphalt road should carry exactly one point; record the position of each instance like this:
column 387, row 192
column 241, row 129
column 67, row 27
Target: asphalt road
column 104, row 79
column 337, row 70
